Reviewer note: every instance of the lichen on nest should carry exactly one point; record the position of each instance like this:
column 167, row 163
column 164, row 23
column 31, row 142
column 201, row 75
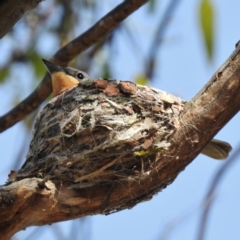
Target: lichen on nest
column 101, row 131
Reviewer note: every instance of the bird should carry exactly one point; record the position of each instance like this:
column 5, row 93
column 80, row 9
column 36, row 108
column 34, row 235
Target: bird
column 64, row 78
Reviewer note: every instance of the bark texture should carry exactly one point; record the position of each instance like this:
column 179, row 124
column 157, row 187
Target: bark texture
column 106, row 146
column 10, row 13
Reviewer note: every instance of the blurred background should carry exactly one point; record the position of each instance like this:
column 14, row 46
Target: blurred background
column 172, row 45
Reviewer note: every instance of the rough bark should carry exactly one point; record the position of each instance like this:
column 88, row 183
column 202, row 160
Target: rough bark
column 10, row 13
column 87, row 163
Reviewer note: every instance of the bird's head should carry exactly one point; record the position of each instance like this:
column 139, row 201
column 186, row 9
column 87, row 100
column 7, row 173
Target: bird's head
column 64, row 78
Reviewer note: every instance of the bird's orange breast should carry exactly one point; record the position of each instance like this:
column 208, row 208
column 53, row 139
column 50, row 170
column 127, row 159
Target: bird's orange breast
column 62, row 82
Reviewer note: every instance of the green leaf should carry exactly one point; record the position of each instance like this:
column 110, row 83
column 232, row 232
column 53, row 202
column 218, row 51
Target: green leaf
column 152, row 4
column 3, row 74
column 207, row 22
column 106, row 71
column 141, row 79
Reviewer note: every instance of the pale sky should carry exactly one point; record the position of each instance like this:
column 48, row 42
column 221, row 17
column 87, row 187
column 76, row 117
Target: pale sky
column 183, row 70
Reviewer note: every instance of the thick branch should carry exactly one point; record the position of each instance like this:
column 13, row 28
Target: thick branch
column 127, row 171
column 103, row 27
column 10, row 13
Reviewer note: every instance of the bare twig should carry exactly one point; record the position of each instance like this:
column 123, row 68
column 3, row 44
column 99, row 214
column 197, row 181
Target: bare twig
column 162, row 27
column 208, row 200
column 97, row 32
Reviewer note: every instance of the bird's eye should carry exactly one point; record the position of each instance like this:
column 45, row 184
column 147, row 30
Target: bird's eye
column 80, row 76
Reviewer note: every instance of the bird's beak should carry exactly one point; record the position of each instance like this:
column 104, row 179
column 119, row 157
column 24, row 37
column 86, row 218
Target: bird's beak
column 51, row 67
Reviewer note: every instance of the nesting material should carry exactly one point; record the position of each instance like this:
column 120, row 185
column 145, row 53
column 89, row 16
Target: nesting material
column 101, row 131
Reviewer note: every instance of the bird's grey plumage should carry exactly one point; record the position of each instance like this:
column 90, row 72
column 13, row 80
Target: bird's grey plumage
column 217, row 149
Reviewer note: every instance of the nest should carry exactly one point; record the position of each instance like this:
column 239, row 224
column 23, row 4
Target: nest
column 101, row 131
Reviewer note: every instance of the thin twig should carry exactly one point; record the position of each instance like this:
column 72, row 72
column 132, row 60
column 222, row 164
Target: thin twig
column 97, row 172
column 162, row 27
column 208, row 200
column 97, row 32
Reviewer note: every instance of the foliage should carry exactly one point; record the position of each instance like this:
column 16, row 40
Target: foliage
column 207, row 25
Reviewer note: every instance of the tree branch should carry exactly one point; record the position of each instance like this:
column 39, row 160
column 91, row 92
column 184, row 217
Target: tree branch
column 79, row 165
column 10, row 13
column 103, row 27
